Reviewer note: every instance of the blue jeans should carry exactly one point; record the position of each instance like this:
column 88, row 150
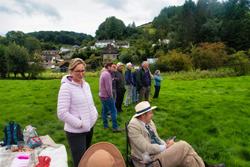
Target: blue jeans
column 134, row 95
column 129, row 89
column 109, row 105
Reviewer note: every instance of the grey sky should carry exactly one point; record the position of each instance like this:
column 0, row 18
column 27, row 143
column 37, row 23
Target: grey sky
column 75, row 15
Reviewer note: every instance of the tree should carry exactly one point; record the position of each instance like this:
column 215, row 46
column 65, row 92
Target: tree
column 187, row 32
column 60, row 37
column 3, row 62
column 48, row 46
column 126, row 55
column 143, row 49
column 210, row 31
column 236, row 24
column 130, row 30
column 35, row 66
column 32, row 44
column 166, row 22
column 3, row 41
column 201, row 16
column 16, row 36
column 17, row 58
column 35, row 60
column 111, row 28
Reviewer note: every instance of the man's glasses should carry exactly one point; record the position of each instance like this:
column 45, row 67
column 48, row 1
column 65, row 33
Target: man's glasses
column 79, row 71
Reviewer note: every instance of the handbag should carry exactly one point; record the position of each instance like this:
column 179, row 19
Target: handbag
column 34, row 142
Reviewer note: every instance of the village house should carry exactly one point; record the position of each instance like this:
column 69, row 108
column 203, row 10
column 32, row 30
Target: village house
column 122, row 44
column 50, row 57
column 116, row 44
column 163, row 41
column 109, row 54
column 152, row 60
column 104, row 43
column 66, row 53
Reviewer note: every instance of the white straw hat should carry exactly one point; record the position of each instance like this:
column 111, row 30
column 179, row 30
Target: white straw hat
column 142, row 108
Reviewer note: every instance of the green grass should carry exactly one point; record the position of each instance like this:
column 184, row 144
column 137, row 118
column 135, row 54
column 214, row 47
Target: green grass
column 213, row 115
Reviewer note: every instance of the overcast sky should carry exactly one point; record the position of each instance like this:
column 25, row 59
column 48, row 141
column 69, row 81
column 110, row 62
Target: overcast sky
column 75, row 15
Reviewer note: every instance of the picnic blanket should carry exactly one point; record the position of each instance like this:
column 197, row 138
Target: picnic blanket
column 57, row 153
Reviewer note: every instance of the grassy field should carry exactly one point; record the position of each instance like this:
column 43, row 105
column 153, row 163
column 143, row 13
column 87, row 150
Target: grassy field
column 213, row 115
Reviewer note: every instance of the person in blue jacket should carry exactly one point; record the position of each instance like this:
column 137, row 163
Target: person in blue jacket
column 158, row 80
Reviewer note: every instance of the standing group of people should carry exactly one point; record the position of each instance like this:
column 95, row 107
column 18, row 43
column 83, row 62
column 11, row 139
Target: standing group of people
column 138, row 83
column 77, row 110
column 114, row 83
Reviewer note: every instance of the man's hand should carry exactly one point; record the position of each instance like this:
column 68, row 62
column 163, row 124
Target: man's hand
column 169, row 143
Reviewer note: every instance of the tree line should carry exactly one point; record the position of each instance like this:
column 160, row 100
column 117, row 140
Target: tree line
column 206, row 21
column 189, row 24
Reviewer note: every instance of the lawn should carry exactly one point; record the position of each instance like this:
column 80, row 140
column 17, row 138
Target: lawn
column 213, row 115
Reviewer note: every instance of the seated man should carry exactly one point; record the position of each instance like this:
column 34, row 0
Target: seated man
column 144, row 140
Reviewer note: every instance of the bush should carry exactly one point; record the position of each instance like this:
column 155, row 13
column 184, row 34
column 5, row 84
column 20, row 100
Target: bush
column 94, row 61
column 240, row 63
column 129, row 55
column 209, row 56
column 174, row 61
column 35, row 66
column 201, row 74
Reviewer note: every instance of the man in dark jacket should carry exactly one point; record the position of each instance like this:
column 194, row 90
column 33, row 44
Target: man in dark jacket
column 144, row 81
column 120, row 87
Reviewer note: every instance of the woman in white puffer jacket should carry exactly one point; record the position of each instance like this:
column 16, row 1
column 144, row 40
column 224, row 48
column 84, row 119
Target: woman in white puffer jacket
column 76, row 108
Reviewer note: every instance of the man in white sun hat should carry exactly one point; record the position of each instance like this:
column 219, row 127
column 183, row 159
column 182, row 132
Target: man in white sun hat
column 144, row 140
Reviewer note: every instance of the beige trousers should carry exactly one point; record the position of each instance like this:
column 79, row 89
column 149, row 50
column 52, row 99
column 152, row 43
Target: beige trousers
column 180, row 154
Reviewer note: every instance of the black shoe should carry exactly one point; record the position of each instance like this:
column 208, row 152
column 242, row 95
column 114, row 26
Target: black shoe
column 217, row 165
column 117, row 130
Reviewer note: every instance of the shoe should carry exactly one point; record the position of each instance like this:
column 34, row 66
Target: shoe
column 117, row 130
column 105, row 128
column 217, row 165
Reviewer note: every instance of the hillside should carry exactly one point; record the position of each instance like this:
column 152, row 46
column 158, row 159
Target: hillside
column 61, row 37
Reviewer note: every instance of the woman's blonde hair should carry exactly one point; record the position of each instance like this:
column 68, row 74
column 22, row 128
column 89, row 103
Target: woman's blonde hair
column 74, row 62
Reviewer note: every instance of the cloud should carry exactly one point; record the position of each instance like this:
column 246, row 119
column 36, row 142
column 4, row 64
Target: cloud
column 30, row 7
column 4, row 9
column 116, row 4
column 76, row 15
